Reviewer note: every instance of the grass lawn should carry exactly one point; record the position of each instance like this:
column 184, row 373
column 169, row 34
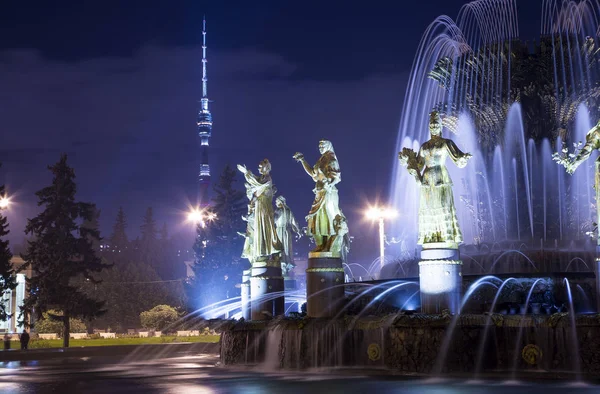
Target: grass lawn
column 49, row 343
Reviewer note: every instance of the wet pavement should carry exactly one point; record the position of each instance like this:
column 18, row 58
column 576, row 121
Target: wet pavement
column 202, row 374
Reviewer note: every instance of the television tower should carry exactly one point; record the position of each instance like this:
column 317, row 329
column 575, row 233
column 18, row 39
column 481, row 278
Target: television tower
column 204, row 123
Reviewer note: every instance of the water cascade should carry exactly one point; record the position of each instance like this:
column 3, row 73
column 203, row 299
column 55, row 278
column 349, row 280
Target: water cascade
column 511, row 105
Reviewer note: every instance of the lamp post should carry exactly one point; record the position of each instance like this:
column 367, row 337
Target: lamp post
column 381, row 214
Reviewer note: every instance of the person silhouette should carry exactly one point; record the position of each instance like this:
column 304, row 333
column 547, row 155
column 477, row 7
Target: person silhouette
column 24, row 338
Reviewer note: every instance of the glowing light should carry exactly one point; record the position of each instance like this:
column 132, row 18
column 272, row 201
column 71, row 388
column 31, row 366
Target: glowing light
column 195, row 216
column 4, row 202
column 210, row 216
column 377, row 213
column 380, row 214
column 201, row 216
column 204, row 170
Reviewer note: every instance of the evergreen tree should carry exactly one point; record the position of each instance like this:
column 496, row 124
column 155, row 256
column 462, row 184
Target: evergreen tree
column 164, row 234
column 129, row 288
column 132, row 286
column 93, row 223
column 228, row 203
column 118, row 240
column 7, row 274
column 61, row 253
column 147, row 247
column 217, row 269
column 218, row 265
column 166, row 256
column 181, row 246
column 148, row 228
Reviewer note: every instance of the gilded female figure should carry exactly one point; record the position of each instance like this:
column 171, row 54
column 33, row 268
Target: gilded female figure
column 326, row 174
column 572, row 161
column 247, row 252
column 265, row 242
column 286, row 225
column 437, row 213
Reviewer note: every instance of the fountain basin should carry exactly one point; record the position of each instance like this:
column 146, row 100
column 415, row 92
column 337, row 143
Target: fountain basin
column 411, row 343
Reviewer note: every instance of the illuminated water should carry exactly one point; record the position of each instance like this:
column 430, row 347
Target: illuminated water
column 511, row 189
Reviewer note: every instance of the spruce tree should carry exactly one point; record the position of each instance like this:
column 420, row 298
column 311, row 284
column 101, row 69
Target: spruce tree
column 229, row 203
column 61, row 254
column 119, row 242
column 129, row 289
column 148, row 228
column 93, row 223
column 217, row 269
column 165, row 256
column 147, row 247
column 218, row 265
column 7, row 274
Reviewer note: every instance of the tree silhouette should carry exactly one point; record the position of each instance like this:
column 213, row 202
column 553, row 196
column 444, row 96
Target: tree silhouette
column 61, row 254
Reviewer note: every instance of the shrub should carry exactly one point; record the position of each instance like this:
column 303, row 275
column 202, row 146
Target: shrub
column 159, row 318
column 51, row 325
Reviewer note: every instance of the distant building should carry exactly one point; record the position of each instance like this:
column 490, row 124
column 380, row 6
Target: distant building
column 13, row 300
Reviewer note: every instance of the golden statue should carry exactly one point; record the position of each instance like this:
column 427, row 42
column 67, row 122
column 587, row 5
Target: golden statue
column 264, row 244
column 572, row 161
column 247, row 252
column 341, row 240
column 326, row 174
column 286, row 226
column 437, row 213
column 592, row 143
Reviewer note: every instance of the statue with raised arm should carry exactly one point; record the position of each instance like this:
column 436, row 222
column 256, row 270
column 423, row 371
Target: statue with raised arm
column 326, row 175
column 264, row 244
column 437, row 213
column 286, row 225
column 592, row 143
column 572, row 160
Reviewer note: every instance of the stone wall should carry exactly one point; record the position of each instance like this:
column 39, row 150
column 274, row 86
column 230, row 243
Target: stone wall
column 413, row 344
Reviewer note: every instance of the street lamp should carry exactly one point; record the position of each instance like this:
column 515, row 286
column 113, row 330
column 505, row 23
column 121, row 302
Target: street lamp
column 381, row 214
column 4, row 202
column 201, row 216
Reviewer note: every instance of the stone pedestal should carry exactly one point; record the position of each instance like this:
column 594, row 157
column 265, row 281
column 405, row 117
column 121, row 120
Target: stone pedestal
column 440, row 278
column 245, row 293
column 324, row 277
column 263, row 281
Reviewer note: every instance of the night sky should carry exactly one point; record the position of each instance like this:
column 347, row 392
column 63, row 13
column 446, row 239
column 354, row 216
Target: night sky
column 116, row 85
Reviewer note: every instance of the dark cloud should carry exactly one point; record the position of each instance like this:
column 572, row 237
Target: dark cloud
column 128, row 125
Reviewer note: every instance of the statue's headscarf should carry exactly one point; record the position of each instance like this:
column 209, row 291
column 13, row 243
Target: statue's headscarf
column 327, row 145
column 281, row 199
column 266, row 165
column 434, row 116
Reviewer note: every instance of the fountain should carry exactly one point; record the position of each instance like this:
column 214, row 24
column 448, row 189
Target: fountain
column 507, row 109
column 525, row 222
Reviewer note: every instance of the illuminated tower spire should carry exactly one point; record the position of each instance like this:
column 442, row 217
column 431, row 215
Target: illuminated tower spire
column 204, row 123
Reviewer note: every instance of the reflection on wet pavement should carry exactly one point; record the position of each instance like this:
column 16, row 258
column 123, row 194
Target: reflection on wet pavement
column 201, row 374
